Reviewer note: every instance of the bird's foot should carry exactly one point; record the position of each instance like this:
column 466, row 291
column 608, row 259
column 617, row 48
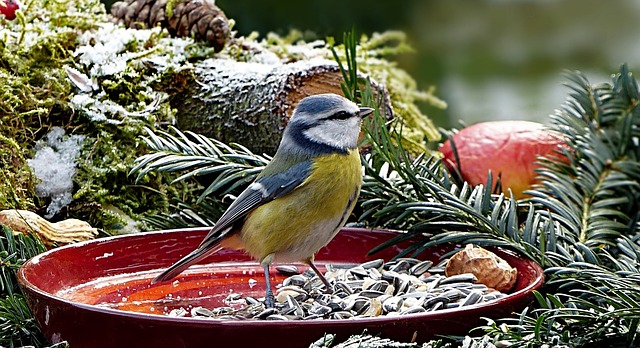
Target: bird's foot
column 328, row 290
column 269, row 300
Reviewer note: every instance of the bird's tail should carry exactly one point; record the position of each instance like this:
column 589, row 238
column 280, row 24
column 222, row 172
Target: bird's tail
column 192, row 258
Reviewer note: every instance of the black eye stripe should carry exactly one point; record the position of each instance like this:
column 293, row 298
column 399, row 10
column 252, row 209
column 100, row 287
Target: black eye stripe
column 340, row 115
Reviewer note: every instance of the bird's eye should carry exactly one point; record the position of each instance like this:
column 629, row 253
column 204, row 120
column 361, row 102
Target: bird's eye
column 340, row 115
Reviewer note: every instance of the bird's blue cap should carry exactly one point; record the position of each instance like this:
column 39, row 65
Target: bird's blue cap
column 316, row 104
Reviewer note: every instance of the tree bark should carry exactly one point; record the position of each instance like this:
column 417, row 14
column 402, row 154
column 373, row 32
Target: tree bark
column 250, row 103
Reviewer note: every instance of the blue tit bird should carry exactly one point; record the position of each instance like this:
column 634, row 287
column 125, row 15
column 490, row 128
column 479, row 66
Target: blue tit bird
column 303, row 196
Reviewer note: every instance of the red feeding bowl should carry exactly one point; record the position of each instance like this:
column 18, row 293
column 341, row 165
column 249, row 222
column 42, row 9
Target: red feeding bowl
column 98, row 294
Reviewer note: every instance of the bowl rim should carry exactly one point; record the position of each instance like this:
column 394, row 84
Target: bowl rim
column 155, row 318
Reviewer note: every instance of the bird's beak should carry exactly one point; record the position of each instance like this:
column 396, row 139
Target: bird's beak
column 364, row 112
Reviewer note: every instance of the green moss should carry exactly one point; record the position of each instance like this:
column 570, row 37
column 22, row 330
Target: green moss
column 37, row 95
column 17, row 182
column 103, row 175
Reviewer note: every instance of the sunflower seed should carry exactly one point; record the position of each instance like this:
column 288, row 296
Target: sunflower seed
column 420, row 268
column 295, row 305
column 414, row 309
column 251, row 300
column 361, row 304
column 288, row 270
column 233, row 297
column 267, row 312
column 389, row 276
column 473, row 298
column 201, row 312
column 380, row 285
column 296, row 280
column 342, row 287
column 392, row 304
column 359, row 272
column 436, row 270
column 378, row 263
column 293, row 291
column 319, row 309
column 410, row 260
column 436, row 306
column 452, row 295
column 459, row 278
column 375, row 274
column 371, row 293
column 480, row 287
column 401, row 286
column 401, row 266
column 431, row 302
column 277, row 317
column 337, row 306
column 443, row 263
column 341, row 315
column 459, row 286
column 218, row 311
column 178, row 312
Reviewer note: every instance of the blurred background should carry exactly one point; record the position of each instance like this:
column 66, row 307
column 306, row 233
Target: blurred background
column 489, row 59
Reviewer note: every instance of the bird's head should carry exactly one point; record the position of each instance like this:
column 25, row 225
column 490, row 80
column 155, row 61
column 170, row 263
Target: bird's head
column 325, row 123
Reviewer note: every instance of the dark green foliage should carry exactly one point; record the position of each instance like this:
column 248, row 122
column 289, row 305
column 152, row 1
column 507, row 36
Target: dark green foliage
column 17, row 326
column 15, row 249
column 595, row 197
column 592, row 295
column 350, row 84
column 581, row 222
column 580, row 208
column 223, row 169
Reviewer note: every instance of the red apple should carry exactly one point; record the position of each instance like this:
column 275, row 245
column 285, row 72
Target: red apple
column 506, row 148
column 8, row 8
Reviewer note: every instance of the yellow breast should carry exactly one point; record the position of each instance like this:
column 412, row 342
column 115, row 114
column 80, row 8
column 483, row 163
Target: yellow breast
column 295, row 226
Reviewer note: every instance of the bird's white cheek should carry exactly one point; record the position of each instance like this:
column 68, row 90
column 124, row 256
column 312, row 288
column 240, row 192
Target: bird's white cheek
column 339, row 134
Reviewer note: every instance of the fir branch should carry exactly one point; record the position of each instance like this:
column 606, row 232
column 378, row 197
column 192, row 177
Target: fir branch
column 592, row 306
column 350, row 84
column 17, row 326
column 231, row 166
column 579, row 209
column 15, row 249
column 581, row 224
column 205, row 213
column 595, row 196
column 419, row 195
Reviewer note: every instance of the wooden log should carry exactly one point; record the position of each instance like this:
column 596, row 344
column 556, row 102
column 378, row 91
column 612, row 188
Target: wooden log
column 249, row 102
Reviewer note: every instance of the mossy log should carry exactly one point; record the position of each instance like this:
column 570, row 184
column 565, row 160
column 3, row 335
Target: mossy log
column 250, row 103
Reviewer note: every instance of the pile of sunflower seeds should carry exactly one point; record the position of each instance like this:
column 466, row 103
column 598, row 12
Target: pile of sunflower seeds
column 399, row 287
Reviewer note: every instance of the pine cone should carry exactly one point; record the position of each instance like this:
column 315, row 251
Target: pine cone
column 198, row 18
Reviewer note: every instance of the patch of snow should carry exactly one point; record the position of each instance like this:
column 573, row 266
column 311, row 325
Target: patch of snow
column 55, row 164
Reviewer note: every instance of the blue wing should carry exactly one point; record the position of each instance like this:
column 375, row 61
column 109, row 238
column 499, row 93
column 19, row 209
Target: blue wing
column 263, row 190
